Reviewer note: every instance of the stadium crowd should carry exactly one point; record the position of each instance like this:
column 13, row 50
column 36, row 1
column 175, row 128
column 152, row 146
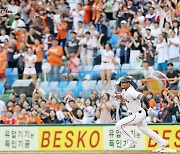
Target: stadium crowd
column 142, row 33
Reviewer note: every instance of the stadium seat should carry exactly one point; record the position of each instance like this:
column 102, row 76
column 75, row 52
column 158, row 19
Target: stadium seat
column 114, row 40
column 53, row 84
column 99, row 86
column 176, row 65
column 124, row 69
column 62, row 84
column 86, row 70
column 8, row 71
column 80, row 68
column 61, row 70
column 13, row 76
column 1, row 87
column 79, row 85
column 96, row 72
column 71, row 85
column 44, row 85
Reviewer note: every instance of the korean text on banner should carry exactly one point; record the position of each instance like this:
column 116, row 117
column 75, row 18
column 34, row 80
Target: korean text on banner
column 170, row 133
column 18, row 138
column 70, row 138
column 114, row 140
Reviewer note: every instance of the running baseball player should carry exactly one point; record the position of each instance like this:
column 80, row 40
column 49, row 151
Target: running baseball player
column 137, row 115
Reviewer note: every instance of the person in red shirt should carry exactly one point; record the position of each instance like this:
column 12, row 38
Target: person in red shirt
column 9, row 120
column 3, row 63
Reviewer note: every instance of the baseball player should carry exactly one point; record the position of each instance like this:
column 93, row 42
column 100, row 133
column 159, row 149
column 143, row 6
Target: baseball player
column 137, row 115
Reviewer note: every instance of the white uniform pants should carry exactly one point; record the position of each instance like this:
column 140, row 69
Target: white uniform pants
column 138, row 119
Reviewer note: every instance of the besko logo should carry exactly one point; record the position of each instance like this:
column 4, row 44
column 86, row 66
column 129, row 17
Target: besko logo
column 7, row 11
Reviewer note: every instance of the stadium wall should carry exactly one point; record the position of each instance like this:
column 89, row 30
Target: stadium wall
column 80, row 137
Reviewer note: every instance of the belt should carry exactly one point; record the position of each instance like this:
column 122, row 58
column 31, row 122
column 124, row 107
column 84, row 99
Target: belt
column 106, row 62
column 136, row 112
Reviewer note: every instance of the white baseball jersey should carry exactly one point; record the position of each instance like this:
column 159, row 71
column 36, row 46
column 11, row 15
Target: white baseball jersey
column 133, row 99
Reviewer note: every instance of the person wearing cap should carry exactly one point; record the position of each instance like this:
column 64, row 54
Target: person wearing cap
column 137, row 115
column 72, row 65
column 123, row 29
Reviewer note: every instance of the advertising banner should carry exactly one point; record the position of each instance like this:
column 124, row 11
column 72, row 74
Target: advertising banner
column 168, row 132
column 18, row 138
column 116, row 141
column 70, row 138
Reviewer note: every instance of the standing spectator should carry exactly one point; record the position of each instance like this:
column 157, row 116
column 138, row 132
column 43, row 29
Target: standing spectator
column 148, row 70
column 174, row 47
column 19, row 57
column 52, row 118
column 18, row 23
column 78, row 15
column 86, row 52
column 156, row 31
column 97, row 8
column 72, row 45
column 105, row 108
column 162, row 53
column 3, row 63
column 80, row 31
column 171, row 73
column 167, row 30
column 10, row 48
column 135, row 52
column 55, row 54
column 3, row 37
column 149, row 53
column 108, row 9
column 47, row 38
column 72, row 65
column 29, row 71
column 67, row 118
column 102, row 26
column 32, row 35
column 62, row 31
column 123, row 44
column 176, row 27
column 107, row 59
column 38, row 50
column 87, row 14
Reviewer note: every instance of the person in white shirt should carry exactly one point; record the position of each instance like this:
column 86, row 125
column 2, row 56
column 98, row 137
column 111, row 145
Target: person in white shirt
column 78, row 15
column 80, row 31
column 29, row 71
column 107, row 61
column 174, row 47
column 3, row 37
column 88, row 109
column 162, row 53
column 86, row 52
column 94, row 35
column 59, row 113
column 137, row 115
column 148, row 70
column 156, row 31
column 80, row 119
column 18, row 23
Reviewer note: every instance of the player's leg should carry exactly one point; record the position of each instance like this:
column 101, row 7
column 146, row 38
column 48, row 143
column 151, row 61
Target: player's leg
column 144, row 128
column 121, row 126
column 103, row 75
column 109, row 72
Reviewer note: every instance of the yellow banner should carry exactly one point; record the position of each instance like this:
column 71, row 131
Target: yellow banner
column 170, row 133
column 70, row 138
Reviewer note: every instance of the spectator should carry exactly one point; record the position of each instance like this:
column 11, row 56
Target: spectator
column 32, row 35
column 55, row 54
column 96, row 119
column 3, row 37
column 29, row 71
column 148, row 70
column 10, row 48
column 87, row 14
column 135, row 52
column 151, row 100
column 78, row 15
column 93, row 98
column 72, row 65
column 162, row 53
column 62, row 31
column 80, row 31
column 66, row 119
column 123, row 44
column 165, row 114
column 3, row 63
column 80, row 118
column 52, row 118
column 108, row 9
column 88, row 109
column 107, row 57
column 86, row 52
column 59, row 113
column 38, row 50
column 35, row 118
column 19, row 57
column 18, row 23
column 73, row 107
column 176, row 101
column 105, row 108
column 9, row 120
column 171, row 73
column 174, row 47
column 149, row 53
column 53, row 104
column 156, row 31
column 72, row 45
column 97, row 8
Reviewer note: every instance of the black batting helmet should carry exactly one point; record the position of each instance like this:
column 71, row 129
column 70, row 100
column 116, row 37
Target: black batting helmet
column 123, row 79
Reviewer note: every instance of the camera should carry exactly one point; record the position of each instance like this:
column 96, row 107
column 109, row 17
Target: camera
column 85, row 45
